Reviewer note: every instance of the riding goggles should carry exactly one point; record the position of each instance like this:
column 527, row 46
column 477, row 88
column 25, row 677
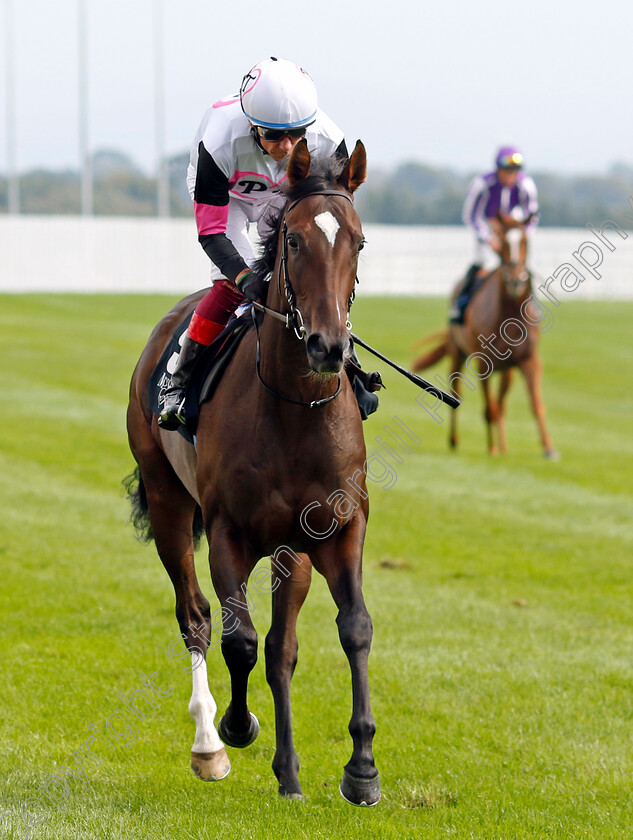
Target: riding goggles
column 513, row 161
column 273, row 135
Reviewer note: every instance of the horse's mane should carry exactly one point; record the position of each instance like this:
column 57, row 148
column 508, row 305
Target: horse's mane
column 323, row 175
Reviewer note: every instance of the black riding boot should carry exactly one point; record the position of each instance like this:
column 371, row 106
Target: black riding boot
column 458, row 310
column 173, row 411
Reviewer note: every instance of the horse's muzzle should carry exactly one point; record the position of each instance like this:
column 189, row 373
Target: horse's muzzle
column 328, row 355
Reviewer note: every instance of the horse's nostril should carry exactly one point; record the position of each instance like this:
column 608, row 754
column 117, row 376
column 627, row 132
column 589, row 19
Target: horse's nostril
column 327, row 355
column 316, row 346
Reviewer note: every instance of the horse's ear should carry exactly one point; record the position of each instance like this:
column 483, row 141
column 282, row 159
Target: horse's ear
column 355, row 170
column 299, row 164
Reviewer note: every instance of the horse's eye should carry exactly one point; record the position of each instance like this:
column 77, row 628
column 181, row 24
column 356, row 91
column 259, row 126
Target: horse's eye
column 292, row 242
column 362, row 244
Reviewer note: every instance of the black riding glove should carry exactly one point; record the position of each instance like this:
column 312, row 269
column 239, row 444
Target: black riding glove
column 252, row 287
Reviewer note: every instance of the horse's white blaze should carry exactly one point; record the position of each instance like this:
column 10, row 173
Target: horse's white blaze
column 328, row 225
column 514, row 236
column 202, row 708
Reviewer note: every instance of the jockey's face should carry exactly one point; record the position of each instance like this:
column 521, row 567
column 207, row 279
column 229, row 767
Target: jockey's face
column 279, row 149
column 507, row 177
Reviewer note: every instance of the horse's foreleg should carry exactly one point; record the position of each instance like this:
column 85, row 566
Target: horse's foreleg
column 490, row 416
column 504, row 387
column 231, row 565
column 340, row 563
column 532, row 369
column 171, row 510
column 209, row 760
column 281, row 658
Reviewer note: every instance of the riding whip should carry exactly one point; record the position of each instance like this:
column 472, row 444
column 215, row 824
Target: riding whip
column 413, row 377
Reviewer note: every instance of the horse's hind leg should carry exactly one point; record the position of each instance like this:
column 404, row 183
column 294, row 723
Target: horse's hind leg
column 171, row 511
column 281, row 658
column 457, row 360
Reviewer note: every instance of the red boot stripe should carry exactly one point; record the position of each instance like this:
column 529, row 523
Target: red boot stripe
column 203, row 330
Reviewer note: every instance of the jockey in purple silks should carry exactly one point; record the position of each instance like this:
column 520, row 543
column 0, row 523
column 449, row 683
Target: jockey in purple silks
column 507, row 191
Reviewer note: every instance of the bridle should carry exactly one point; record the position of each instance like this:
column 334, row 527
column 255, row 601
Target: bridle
column 293, row 319
column 514, row 284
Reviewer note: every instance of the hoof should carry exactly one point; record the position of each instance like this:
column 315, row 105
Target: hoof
column 239, row 739
column 552, row 455
column 296, row 796
column 360, row 791
column 211, row 767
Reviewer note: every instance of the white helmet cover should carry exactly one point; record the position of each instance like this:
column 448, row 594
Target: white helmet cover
column 277, row 93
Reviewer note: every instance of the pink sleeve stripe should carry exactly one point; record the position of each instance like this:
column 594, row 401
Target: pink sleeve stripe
column 210, row 218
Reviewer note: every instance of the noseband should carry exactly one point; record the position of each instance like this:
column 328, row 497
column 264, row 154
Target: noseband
column 513, row 284
column 293, row 319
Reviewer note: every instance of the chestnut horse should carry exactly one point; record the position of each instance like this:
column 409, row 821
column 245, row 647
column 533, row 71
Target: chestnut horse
column 500, row 333
column 278, row 440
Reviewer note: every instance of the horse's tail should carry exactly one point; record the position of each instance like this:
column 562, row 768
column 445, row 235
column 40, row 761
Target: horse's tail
column 431, row 358
column 431, row 339
column 139, row 516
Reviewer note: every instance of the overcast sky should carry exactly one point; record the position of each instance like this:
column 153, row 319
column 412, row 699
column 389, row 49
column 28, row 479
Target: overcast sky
column 444, row 83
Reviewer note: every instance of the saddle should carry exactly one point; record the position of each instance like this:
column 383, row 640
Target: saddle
column 214, row 360
column 471, row 284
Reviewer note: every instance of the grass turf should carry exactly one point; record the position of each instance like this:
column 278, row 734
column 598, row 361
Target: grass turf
column 500, row 591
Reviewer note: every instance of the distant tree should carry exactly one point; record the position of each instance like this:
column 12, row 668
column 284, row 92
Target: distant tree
column 125, row 194
column 110, row 161
column 181, row 202
column 42, row 191
column 412, row 194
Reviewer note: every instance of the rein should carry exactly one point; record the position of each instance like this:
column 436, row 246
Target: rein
column 294, row 319
column 312, row 403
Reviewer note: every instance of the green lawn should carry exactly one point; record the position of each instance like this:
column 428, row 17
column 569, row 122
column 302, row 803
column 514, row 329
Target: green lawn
column 500, row 589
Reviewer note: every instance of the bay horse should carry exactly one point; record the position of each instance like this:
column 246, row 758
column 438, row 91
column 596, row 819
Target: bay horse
column 280, row 437
column 501, row 331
